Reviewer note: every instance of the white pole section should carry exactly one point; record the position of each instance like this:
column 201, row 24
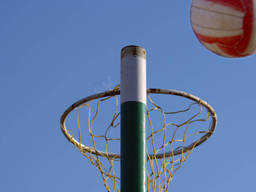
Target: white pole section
column 133, row 74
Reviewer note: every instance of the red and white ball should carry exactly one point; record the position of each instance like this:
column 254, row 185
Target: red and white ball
column 226, row 27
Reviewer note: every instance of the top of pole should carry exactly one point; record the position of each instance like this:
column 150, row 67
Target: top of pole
column 133, row 74
column 133, row 50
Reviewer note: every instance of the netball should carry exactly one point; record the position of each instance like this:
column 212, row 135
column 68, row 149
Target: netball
column 226, row 27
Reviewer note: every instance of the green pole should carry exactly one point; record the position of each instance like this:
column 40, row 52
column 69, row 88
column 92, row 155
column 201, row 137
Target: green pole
column 133, row 119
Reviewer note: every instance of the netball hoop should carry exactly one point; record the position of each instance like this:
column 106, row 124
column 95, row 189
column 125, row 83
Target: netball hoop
column 168, row 142
column 139, row 146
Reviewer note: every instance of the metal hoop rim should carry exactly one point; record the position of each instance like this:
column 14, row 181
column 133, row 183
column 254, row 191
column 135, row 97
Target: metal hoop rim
column 115, row 92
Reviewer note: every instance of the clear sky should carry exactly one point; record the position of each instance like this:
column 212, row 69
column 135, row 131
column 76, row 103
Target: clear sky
column 54, row 52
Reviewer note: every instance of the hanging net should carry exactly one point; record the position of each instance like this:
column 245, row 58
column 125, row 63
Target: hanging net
column 177, row 123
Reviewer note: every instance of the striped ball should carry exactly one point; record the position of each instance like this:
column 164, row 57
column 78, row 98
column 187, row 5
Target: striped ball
column 226, row 27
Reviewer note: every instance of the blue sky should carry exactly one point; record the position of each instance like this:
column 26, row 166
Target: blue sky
column 53, row 53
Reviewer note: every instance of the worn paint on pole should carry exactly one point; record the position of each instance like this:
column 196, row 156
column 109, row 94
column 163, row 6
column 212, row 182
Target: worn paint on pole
column 133, row 119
